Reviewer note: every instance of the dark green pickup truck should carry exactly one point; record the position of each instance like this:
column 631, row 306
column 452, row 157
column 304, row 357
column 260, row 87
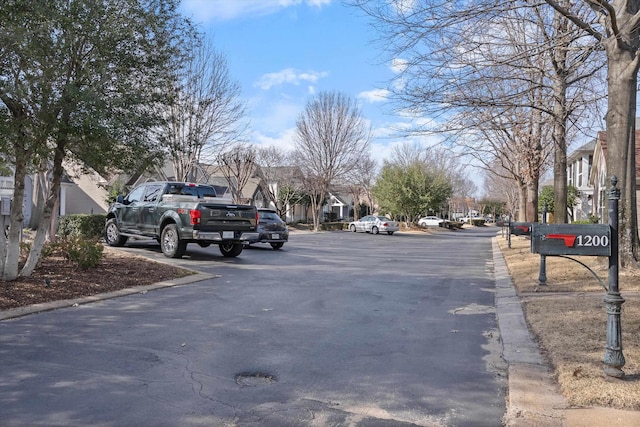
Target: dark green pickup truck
column 178, row 213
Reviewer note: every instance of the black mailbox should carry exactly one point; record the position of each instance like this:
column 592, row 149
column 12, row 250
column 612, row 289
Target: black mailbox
column 520, row 228
column 571, row 239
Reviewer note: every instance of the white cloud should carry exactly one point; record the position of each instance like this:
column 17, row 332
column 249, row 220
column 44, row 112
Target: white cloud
column 376, row 95
column 273, row 116
column 398, row 65
column 404, row 6
column 288, row 76
column 222, row 10
column 284, row 140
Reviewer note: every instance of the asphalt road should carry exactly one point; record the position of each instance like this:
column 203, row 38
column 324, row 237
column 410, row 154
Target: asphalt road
column 335, row 329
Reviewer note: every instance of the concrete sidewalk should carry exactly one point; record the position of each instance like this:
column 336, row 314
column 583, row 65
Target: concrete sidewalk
column 533, row 397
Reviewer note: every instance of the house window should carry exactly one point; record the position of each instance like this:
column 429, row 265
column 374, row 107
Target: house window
column 6, row 184
column 602, row 199
column 602, row 206
column 570, row 175
column 580, row 173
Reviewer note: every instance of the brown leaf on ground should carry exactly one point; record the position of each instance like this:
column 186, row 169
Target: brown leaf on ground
column 59, row 279
column 568, row 318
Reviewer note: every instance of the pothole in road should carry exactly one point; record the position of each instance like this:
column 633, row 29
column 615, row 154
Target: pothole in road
column 254, row 379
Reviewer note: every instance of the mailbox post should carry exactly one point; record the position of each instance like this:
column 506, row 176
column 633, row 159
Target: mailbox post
column 613, row 357
column 591, row 240
column 542, row 276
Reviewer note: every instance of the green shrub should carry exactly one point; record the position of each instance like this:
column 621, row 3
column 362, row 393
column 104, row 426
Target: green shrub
column 81, row 225
column 593, row 219
column 333, row 226
column 25, row 247
column 86, row 252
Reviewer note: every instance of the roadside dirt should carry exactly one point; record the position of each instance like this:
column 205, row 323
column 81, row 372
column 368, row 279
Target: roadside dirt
column 569, row 319
column 58, row 279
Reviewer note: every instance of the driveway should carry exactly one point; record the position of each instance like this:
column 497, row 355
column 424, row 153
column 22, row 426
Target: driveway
column 337, row 328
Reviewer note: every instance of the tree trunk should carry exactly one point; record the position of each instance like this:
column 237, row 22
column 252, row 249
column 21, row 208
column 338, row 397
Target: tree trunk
column 620, row 156
column 559, row 133
column 522, row 202
column 532, row 202
column 315, row 214
column 40, row 190
column 12, row 255
column 560, row 152
column 43, row 227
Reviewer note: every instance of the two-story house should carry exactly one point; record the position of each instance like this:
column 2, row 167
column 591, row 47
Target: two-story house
column 600, row 180
column 579, row 164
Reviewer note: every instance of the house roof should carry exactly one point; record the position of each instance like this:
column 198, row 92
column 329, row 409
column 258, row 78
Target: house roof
column 601, row 144
column 343, row 198
column 580, row 151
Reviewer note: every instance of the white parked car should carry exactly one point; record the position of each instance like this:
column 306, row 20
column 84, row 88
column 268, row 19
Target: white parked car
column 431, row 221
column 374, row 224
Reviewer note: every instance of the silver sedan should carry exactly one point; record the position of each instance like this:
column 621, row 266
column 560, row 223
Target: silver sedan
column 374, row 224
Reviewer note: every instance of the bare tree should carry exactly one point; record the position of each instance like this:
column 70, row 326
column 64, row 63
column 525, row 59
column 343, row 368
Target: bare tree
column 206, row 114
column 283, row 180
column 238, row 165
column 359, row 181
column 614, row 24
column 331, row 138
column 421, row 31
column 497, row 187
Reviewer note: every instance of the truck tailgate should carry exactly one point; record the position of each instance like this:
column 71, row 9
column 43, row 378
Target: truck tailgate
column 227, row 217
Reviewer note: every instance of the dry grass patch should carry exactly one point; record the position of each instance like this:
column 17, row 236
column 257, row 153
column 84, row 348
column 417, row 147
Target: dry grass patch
column 568, row 318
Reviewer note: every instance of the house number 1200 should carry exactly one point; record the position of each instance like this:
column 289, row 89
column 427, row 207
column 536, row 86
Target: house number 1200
column 588, row 240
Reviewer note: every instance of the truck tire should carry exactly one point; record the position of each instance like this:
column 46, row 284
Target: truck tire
column 170, row 243
column 277, row 246
column 230, row 249
column 112, row 234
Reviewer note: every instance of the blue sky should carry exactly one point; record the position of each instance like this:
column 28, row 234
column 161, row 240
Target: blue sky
column 282, row 52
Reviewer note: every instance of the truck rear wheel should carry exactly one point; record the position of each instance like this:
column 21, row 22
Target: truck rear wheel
column 112, row 234
column 170, row 243
column 230, row 249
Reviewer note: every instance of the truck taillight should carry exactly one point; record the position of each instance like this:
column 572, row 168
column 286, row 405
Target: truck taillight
column 257, row 218
column 195, row 215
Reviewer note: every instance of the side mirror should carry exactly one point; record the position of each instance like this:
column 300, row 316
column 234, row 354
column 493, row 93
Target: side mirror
column 119, row 199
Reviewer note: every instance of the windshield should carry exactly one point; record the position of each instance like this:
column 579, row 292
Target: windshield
column 192, row 190
column 269, row 215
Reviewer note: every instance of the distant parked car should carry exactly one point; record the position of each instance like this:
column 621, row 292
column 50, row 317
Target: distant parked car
column 271, row 229
column 474, row 220
column 374, row 224
column 431, row 221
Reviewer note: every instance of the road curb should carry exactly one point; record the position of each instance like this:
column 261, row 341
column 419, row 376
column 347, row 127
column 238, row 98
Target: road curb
column 533, row 398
